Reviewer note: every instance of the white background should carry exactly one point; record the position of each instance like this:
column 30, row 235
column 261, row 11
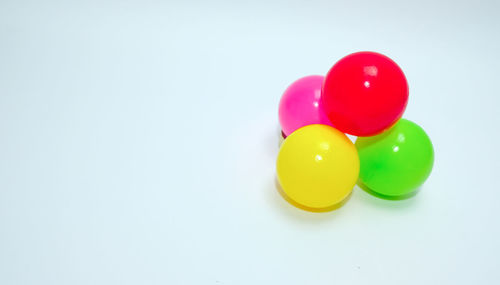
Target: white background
column 138, row 143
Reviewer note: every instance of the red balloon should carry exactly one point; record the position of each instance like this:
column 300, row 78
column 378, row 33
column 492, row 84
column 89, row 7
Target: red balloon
column 365, row 93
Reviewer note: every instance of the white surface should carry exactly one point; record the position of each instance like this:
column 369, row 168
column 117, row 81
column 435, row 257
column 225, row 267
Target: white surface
column 138, row 141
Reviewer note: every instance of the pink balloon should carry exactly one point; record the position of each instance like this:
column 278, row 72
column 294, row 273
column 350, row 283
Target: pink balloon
column 301, row 104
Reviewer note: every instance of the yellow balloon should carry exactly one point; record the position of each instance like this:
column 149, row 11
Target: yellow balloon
column 317, row 168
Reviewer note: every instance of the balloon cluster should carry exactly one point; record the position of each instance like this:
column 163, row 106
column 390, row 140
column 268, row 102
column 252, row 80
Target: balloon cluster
column 364, row 95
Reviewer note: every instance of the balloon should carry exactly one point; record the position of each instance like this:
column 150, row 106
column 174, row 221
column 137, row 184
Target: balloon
column 365, row 93
column 301, row 104
column 317, row 167
column 395, row 163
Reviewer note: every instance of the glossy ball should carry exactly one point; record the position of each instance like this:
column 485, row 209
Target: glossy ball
column 317, row 167
column 301, row 104
column 395, row 163
column 365, row 93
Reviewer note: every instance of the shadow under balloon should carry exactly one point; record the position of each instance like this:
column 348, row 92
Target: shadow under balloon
column 365, row 188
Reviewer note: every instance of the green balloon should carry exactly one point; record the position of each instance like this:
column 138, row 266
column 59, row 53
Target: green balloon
column 395, row 163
